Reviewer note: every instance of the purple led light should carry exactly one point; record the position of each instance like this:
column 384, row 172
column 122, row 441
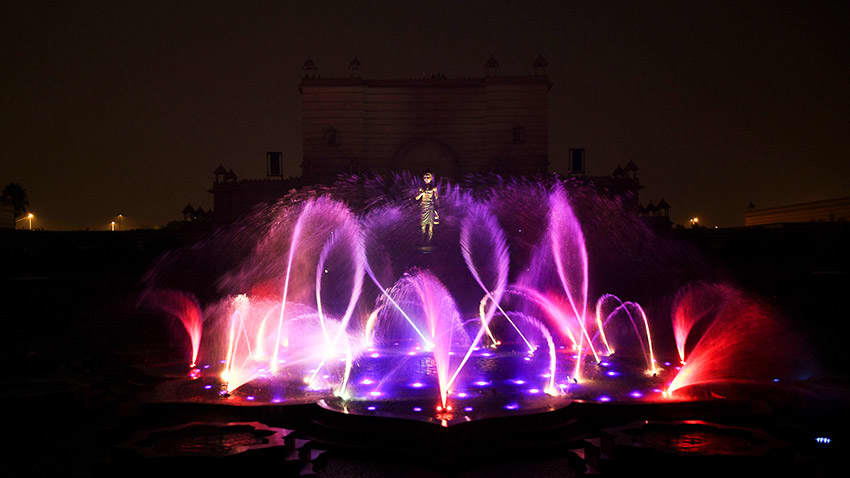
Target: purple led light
column 367, row 381
column 518, row 381
column 206, row 365
column 512, row 406
column 657, row 390
column 412, row 352
column 417, row 409
column 370, row 408
column 604, row 364
column 276, row 400
column 417, row 385
column 462, row 394
column 375, row 355
column 636, row 394
column 222, row 361
column 604, row 398
column 207, row 387
column 467, row 409
column 375, row 393
column 481, row 383
column 527, row 359
column 534, row 391
column 667, row 364
column 250, row 397
column 486, row 354
column 612, row 373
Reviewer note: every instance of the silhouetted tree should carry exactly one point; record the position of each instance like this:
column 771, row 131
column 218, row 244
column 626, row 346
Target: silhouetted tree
column 15, row 195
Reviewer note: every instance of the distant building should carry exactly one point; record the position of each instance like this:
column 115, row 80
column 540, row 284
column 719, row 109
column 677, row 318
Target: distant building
column 452, row 126
column 827, row 210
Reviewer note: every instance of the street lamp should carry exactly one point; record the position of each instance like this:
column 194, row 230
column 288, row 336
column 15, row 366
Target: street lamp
column 30, row 216
column 112, row 226
column 694, row 221
column 120, row 220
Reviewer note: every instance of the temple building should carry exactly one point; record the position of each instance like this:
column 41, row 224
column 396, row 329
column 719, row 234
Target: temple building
column 452, row 126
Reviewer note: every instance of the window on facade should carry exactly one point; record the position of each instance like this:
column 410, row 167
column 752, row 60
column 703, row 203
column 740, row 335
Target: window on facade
column 519, row 134
column 331, row 136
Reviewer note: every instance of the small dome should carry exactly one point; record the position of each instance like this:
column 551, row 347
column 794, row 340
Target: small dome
column 491, row 62
column 618, row 172
column 540, row 62
column 220, row 170
column 651, row 207
column 355, row 63
column 662, row 204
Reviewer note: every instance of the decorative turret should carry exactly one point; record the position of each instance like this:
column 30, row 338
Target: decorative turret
column 619, row 172
column 540, row 65
column 651, row 209
column 354, row 68
column 631, row 169
column 188, row 212
column 310, row 69
column 492, row 66
column 219, row 173
column 230, row 177
column 663, row 208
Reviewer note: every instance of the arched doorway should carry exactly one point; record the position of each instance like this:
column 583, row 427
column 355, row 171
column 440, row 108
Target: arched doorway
column 420, row 155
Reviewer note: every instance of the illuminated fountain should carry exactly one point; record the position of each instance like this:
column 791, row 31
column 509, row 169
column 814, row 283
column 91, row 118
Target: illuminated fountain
column 344, row 308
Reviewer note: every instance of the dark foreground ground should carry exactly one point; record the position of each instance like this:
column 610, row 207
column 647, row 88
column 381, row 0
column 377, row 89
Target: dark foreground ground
column 77, row 356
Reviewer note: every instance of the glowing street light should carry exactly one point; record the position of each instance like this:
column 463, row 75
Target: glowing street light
column 694, row 221
column 112, row 226
column 28, row 217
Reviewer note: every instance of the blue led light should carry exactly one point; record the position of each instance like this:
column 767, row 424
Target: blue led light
column 823, row 440
column 775, row 379
column 370, row 408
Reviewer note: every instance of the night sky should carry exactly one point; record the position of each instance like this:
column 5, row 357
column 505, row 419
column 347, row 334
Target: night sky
column 115, row 107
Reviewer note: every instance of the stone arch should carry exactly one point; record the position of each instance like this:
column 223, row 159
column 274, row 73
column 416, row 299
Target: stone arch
column 419, row 155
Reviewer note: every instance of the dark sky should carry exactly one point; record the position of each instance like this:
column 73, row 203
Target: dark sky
column 129, row 106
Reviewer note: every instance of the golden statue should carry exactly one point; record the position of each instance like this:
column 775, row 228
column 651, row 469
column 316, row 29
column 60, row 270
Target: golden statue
column 427, row 198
